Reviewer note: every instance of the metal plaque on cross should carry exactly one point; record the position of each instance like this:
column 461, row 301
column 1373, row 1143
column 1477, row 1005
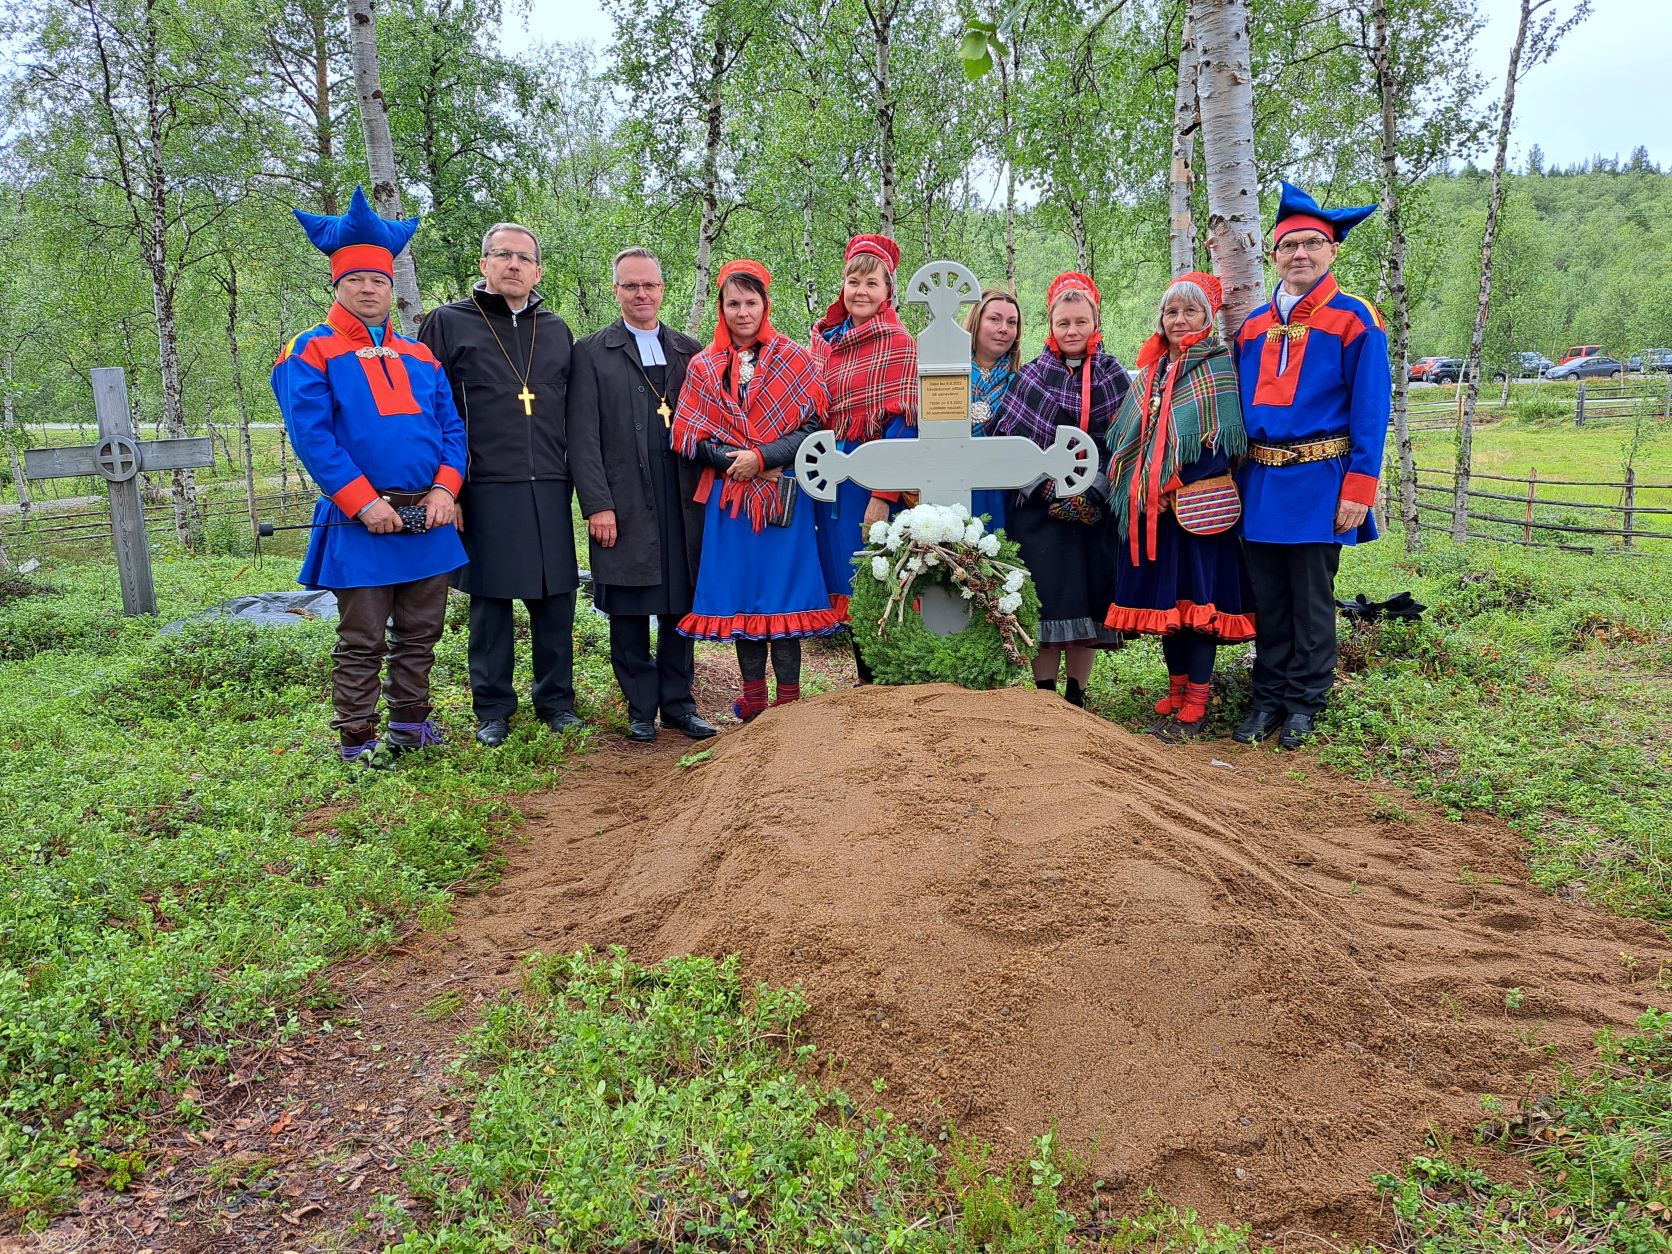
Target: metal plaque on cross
column 948, row 462
column 118, row 458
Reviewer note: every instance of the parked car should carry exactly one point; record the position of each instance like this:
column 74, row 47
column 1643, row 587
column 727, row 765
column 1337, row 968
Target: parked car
column 1419, row 369
column 1586, row 368
column 1657, row 359
column 1524, row 366
column 1634, row 363
column 1447, row 370
column 1580, row 350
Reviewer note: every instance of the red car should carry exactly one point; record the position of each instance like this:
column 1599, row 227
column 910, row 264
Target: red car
column 1422, row 367
column 1578, row 351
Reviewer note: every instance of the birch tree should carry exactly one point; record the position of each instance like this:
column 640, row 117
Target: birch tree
column 1416, row 52
column 380, row 151
column 1224, row 87
column 1181, row 177
column 162, row 109
column 1537, row 34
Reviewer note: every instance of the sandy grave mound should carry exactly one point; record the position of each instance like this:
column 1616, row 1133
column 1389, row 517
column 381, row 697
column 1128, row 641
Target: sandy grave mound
column 1245, row 989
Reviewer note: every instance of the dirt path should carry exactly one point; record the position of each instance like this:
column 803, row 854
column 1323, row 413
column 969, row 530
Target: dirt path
column 1224, row 973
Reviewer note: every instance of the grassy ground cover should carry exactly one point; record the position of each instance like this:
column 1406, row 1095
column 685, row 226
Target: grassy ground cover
column 166, row 898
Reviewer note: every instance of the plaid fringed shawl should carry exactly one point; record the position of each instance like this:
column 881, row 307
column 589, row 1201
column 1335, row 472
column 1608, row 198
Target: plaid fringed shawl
column 785, row 387
column 870, row 372
column 1154, row 436
column 1046, row 395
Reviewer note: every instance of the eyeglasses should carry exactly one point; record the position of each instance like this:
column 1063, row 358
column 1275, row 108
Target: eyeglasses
column 505, row 254
column 638, row 289
column 1312, row 244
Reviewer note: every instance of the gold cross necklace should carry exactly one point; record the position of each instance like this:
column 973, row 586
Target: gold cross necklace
column 525, row 396
column 662, row 410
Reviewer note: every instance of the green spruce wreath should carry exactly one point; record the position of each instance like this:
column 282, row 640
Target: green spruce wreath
column 898, row 648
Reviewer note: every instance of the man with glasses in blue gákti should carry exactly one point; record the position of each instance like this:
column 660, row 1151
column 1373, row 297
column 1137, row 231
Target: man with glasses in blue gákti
column 1315, row 383
column 508, row 359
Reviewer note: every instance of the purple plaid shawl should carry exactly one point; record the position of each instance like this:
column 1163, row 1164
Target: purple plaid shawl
column 1046, row 395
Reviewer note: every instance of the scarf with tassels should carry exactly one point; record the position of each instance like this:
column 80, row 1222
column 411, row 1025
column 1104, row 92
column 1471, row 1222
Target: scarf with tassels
column 870, row 373
column 1048, row 393
column 1180, row 408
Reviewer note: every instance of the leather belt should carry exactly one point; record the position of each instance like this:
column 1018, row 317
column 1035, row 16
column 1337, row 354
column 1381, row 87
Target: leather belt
column 398, row 498
column 1296, row 452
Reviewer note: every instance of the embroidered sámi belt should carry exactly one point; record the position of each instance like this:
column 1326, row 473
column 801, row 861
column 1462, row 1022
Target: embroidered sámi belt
column 1299, row 451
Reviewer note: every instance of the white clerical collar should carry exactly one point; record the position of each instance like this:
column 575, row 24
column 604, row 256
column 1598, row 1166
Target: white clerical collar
column 650, row 344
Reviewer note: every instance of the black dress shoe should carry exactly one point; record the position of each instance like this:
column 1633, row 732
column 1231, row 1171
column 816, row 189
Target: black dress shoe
column 1297, row 730
column 1257, row 726
column 565, row 720
column 493, row 732
column 641, row 730
column 693, row 725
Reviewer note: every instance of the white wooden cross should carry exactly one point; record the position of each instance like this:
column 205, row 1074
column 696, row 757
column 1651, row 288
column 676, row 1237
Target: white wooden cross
column 947, row 463
column 118, row 457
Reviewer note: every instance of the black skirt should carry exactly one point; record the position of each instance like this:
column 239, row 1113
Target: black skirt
column 1073, row 567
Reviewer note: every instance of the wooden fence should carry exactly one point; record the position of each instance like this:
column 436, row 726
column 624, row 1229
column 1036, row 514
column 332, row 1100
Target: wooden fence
column 1591, row 402
column 1643, row 511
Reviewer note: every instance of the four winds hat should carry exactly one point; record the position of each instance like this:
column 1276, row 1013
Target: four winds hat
column 1297, row 211
column 359, row 239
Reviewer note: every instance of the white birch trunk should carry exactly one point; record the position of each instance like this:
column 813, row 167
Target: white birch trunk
column 1483, row 308
column 380, row 152
column 1397, row 290
column 1225, row 87
column 9, row 421
column 1181, row 224
column 183, row 483
column 882, row 14
column 708, row 228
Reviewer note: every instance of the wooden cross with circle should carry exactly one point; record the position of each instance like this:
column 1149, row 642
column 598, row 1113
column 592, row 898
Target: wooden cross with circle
column 118, row 458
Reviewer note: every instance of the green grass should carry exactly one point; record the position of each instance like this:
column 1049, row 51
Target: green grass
column 1600, row 1151
column 162, row 899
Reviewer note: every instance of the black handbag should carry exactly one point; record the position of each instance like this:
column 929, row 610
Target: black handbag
column 782, row 510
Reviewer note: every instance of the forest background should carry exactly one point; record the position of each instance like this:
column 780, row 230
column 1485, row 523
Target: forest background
column 154, row 148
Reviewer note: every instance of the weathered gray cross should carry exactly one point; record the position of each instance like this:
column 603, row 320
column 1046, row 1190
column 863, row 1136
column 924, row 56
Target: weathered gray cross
column 118, row 457
column 948, row 462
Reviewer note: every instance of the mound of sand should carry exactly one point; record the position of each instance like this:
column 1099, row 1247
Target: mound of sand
column 1246, row 983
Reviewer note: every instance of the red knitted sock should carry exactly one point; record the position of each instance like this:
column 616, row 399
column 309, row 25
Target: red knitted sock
column 1195, row 707
column 788, row 693
column 1170, row 703
column 753, row 700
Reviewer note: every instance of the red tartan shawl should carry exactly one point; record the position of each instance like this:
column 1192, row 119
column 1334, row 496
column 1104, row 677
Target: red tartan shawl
column 869, row 373
column 786, row 385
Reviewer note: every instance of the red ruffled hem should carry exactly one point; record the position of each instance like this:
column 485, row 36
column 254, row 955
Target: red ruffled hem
column 839, row 602
column 759, row 626
column 1230, row 628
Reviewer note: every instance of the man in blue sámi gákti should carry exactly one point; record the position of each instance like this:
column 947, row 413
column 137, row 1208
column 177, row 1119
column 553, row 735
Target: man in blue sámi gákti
column 372, row 418
column 1313, row 369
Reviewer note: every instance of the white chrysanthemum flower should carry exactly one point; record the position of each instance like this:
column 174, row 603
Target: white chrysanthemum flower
column 961, row 512
column 988, row 544
column 878, row 533
column 893, row 543
column 929, row 559
column 879, row 567
column 972, row 533
column 1014, row 580
column 1010, row 602
column 914, row 564
column 966, row 592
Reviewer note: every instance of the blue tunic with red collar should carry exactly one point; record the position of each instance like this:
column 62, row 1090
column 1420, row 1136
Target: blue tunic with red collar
column 366, row 420
column 1321, row 372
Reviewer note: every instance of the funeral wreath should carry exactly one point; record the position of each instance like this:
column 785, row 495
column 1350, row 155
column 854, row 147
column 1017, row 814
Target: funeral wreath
column 942, row 546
